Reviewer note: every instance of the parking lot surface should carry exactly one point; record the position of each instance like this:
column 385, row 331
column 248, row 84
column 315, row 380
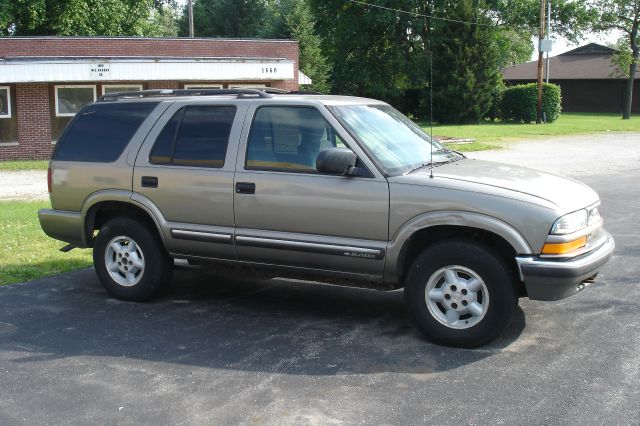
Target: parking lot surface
column 214, row 350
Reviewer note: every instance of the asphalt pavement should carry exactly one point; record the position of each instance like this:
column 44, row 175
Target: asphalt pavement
column 215, row 350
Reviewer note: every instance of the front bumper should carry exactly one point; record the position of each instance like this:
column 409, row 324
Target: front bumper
column 556, row 279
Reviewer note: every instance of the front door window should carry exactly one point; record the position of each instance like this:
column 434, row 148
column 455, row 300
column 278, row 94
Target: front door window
column 289, row 139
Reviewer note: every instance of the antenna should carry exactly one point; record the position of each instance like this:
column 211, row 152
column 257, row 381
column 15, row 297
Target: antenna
column 431, row 105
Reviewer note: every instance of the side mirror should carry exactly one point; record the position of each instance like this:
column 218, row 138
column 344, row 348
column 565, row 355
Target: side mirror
column 336, row 161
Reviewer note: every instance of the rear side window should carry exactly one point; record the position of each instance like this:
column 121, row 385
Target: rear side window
column 195, row 136
column 100, row 132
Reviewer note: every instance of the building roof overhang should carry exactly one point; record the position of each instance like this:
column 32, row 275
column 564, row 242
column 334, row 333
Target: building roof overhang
column 589, row 62
column 574, row 67
column 124, row 68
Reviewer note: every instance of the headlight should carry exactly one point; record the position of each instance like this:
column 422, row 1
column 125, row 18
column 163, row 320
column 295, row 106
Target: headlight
column 569, row 223
column 594, row 216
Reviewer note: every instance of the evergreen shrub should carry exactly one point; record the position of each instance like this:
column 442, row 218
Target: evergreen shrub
column 520, row 103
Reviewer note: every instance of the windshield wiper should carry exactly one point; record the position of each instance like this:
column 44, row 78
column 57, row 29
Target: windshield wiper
column 449, row 150
column 429, row 163
column 418, row 167
column 458, row 152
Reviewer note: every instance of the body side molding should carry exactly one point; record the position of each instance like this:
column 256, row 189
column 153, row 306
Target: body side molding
column 209, row 237
column 332, row 249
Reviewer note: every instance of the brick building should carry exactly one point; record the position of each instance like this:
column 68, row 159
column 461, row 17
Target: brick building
column 44, row 81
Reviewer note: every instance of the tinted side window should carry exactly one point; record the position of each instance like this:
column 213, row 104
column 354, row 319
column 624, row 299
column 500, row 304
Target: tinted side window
column 195, row 136
column 100, row 132
column 163, row 148
column 289, row 139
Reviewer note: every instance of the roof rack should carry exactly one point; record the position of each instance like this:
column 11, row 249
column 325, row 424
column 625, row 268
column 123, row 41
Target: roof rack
column 276, row 91
column 305, row 92
column 241, row 93
column 272, row 90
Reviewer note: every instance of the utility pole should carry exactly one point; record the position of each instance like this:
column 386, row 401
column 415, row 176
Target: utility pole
column 540, row 60
column 191, row 18
column 548, row 37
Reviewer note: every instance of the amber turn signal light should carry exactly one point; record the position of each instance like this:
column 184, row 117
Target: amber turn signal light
column 563, row 248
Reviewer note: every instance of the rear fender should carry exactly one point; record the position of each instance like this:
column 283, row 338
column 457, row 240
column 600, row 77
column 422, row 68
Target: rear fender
column 122, row 196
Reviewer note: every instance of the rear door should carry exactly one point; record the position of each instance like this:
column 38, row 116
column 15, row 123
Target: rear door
column 289, row 214
column 184, row 171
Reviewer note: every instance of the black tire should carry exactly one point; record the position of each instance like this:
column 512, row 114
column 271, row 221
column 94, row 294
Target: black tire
column 157, row 269
column 499, row 283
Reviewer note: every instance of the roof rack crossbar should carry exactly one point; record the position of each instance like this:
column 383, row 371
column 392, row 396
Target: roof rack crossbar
column 241, row 93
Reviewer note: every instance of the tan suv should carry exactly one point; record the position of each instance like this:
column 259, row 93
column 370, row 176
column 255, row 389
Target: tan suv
column 326, row 188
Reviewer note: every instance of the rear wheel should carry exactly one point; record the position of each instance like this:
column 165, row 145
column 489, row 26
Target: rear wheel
column 460, row 293
column 130, row 260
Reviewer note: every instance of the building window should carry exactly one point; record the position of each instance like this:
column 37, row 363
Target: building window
column 71, row 98
column 113, row 88
column 203, row 86
column 5, row 102
column 246, row 86
column 8, row 120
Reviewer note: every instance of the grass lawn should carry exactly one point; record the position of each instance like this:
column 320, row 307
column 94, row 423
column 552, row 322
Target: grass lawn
column 490, row 134
column 26, row 253
column 24, row 165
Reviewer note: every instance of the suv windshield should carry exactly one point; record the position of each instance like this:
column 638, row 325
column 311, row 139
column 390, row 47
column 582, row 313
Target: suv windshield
column 395, row 142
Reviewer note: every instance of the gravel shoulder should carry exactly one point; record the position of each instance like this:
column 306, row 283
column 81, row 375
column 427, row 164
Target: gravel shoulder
column 23, row 185
column 575, row 156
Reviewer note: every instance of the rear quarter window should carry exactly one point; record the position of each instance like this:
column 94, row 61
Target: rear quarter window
column 100, row 132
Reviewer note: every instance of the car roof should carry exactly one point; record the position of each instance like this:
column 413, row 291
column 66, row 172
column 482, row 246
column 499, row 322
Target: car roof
column 263, row 94
column 333, row 99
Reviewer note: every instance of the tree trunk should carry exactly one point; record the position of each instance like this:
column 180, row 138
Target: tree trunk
column 628, row 99
column 635, row 53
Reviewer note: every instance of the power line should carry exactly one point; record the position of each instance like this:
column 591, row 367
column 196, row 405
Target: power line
column 407, row 12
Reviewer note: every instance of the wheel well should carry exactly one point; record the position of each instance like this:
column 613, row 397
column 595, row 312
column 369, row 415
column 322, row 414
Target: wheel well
column 101, row 213
column 428, row 236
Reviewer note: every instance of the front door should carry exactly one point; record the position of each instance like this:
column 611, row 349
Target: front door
column 288, row 214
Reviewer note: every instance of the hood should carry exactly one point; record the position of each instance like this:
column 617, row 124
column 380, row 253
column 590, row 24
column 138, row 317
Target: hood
column 567, row 194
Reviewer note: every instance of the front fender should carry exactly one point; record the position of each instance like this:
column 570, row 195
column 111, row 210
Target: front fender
column 448, row 218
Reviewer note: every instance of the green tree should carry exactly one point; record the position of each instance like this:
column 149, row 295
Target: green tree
column 465, row 64
column 294, row 19
column 622, row 57
column 623, row 15
column 373, row 52
column 77, row 17
column 514, row 46
column 381, row 52
column 164, row 19
column 226, row 18
column 569, row 18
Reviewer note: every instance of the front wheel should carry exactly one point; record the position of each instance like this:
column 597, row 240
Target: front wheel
column 460, row 293
column 130, row 260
